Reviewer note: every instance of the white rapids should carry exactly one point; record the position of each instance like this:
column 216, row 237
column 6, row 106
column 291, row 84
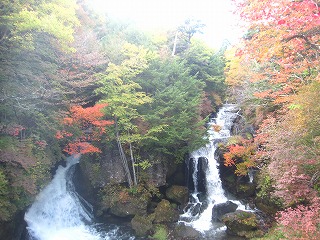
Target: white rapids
column 60, row 213
column 201, row 221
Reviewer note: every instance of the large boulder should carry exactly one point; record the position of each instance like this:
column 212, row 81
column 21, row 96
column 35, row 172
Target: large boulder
column 129, row 207
column 142, row 225
column 178, row 194
column 242, row 223
column 103, row 170
column 268, row 205
column 156, row 174
column 223, row 208
column 182, row 231
column 165, row 212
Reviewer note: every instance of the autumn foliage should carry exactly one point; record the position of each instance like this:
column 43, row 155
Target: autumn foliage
column 241, row 155
column 281, row 46
column 88, row 121
column 276, row 68
column 301, row 222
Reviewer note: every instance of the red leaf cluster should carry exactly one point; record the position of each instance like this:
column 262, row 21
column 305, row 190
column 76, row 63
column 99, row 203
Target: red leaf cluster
column 283, row 39
column 241, row 156
column 301, row 222
column 88, row 116
column 11, row 129
column 80, row 147
column 91, row 125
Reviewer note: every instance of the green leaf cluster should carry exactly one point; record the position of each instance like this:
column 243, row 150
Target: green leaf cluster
column 21, row 19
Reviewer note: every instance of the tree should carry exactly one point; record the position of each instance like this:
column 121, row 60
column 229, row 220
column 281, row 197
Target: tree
column 280, row 58
column 20, row 20
column 177, row 98
column 207, row 66
column 123, row 96
column 184, row 33
column 33, row 35
column 78, row 69
column 241, row 155
column 283, row 40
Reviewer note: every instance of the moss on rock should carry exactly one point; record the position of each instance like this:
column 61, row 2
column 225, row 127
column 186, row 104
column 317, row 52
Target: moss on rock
column 142, row 224
column 243, row 224
column 178, row 194
column 166, row 213
column 125, row 202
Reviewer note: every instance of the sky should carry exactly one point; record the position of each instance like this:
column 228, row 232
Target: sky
column 152, row 15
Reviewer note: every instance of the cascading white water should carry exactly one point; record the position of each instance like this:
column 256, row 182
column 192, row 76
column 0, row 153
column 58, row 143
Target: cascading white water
column 215, row 193
column 59, row 213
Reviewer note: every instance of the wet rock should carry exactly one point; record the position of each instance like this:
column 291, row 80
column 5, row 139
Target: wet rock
column 267, row 205
column 107, row 169
column 201, row 165
column 245, row 190
column 194, row 209
column 223, row 208
column 176, row 174
column 156, row 174
column 129, row 207
column 83, row 185
column 186, row 232
column 243, row 224
column 166, row 212
column 178, row 194
column 142, row 224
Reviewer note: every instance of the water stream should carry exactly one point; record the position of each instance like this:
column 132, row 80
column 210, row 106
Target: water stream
column 59, row 213
column 198, row 213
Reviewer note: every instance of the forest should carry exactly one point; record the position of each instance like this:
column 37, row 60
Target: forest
column 73, row 81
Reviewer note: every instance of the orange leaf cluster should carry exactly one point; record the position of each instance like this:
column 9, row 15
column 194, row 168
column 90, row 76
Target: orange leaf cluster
column 89, row 115
column 240, row 156
column 63, row 134
column 88, row 121
column 80, row 147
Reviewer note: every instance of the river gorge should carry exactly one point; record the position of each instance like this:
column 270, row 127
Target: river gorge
column 59, row 212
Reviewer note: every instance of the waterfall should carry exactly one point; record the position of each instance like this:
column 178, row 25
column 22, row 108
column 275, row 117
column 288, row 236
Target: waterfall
column 198, row 213
column 60, row 213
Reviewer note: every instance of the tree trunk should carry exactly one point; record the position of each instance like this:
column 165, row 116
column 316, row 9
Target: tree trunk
column 123, row 156
column 175, row 44
column 133, row 167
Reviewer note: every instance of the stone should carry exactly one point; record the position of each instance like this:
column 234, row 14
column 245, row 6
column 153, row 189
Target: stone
column 202, row 165
column 108, row 170
column 156, row 174
column 242, row 223
column 223, row 208
column 267, row 205
column 178, row 194
column 141, row 224
column 132, row 206
column 165, row 213
column 186, row 232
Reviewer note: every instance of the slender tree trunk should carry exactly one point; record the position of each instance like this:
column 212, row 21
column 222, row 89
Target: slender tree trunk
column 133, row 166
column 175, row 44
column 123, row 156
